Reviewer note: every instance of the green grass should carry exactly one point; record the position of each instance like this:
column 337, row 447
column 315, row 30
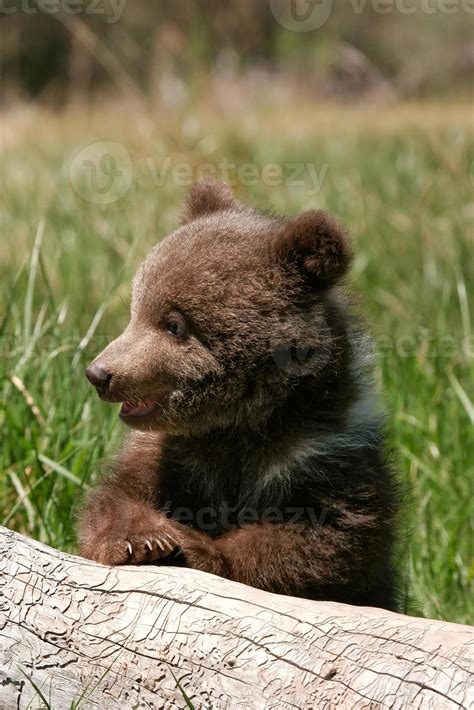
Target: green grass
column 399, row 178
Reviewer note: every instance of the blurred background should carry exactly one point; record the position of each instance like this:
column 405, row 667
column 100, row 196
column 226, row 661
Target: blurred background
column 57, row 51
column 111, row 108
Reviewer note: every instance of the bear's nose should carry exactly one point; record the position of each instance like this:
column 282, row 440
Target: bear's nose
column 99, row 377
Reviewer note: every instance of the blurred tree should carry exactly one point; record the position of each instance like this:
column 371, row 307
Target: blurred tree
column 149, row 45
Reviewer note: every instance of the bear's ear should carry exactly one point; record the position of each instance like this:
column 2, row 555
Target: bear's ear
column 205, row 197
column 316, row 245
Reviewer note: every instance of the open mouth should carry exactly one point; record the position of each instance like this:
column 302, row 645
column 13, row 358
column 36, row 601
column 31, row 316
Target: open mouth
column 135, row 411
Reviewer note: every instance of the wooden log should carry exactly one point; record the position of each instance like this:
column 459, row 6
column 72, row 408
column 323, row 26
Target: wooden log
column 148, row 637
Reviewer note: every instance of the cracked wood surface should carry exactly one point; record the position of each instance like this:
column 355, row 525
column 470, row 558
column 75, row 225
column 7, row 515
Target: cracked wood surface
column 122, row 637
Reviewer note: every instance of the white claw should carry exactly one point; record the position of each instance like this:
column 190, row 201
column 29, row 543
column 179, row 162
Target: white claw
column 149, row 545
column 160, row 544
column 170, row 540
column 130, row 548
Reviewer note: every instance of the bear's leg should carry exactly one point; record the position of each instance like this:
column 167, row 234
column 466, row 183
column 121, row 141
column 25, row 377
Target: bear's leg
column 323, row 562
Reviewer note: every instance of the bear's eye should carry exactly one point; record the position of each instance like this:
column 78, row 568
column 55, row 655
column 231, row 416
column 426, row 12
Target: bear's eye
column 176, row 326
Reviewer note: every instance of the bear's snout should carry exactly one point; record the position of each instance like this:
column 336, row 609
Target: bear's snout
column 99, row 377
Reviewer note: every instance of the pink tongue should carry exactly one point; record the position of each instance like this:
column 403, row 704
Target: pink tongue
column 133, row 409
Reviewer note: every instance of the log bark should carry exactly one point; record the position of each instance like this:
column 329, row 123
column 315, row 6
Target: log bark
column 147, row 637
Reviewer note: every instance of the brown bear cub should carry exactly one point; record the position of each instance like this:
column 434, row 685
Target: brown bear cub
column 258, row 448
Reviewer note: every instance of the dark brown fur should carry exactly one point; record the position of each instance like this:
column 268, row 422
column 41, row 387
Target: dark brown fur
column 263, row 460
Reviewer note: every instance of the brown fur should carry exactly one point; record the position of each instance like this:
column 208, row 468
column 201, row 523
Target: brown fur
column 263, row 460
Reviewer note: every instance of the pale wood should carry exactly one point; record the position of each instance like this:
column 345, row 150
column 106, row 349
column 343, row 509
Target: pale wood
column 117, row 635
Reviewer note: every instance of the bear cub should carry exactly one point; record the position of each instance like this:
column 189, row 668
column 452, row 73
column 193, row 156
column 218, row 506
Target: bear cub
column 257, row 447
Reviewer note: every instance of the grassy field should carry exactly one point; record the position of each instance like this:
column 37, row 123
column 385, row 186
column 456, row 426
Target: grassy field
column 402, row 179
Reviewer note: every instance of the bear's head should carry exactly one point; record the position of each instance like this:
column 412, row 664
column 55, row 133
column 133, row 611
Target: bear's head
column 230, row 314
